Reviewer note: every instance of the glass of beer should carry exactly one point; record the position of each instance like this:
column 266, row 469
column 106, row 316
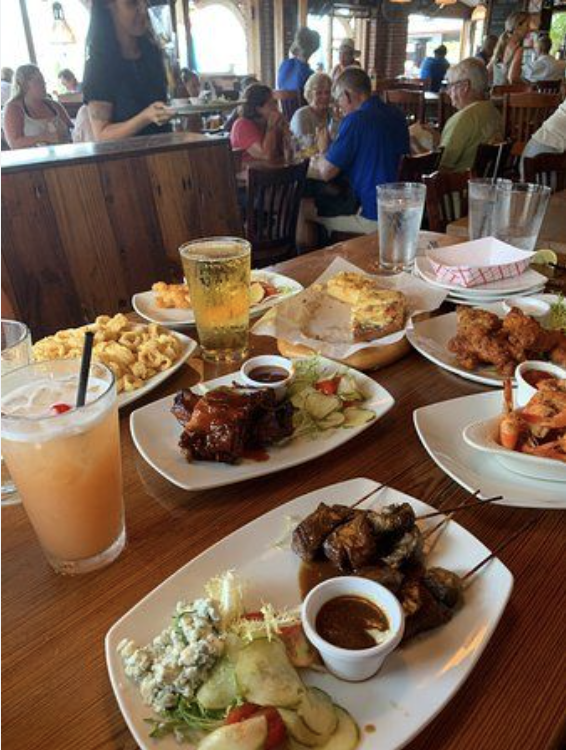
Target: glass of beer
column 66, row 461
column 217, row 270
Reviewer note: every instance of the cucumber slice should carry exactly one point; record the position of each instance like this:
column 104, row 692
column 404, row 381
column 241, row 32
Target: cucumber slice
column 356, row 417
column 299, row 731
column 250, row 734
column 347, row 734
column 320, row 406
column 265, row 675
column 332, row 420
column 220, row 690
column 318, row 712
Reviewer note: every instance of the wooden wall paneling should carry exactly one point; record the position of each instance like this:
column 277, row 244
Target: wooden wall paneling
column 135, row 225
column 87, row 237
column 36, row 274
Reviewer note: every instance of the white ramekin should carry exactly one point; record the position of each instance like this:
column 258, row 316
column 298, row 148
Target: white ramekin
column 268, row 360
column 525, row 391
column 349, row 664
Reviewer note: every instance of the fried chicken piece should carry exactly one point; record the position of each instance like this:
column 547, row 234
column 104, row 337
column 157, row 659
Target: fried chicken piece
column 529, row 340
column 471, row 320
column 479, row 340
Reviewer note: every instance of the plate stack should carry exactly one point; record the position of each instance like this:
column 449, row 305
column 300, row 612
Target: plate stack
column 480, row 271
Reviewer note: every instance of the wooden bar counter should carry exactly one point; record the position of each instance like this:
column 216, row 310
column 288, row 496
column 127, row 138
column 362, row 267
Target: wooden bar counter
column 56, row 692
column 85, row 226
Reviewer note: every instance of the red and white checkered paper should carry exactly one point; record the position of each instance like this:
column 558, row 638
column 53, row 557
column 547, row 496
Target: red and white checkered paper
column 469, row 276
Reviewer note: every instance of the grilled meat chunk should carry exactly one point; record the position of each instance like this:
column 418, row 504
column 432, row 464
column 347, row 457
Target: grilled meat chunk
column 393, row 519
column 383, row 574
column 224, row 423
column 422, row 610
column 310, row 534
column 353, row 544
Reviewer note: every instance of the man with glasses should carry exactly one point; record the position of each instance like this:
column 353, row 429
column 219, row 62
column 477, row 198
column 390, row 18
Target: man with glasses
column 477, row 120
column 372, row 138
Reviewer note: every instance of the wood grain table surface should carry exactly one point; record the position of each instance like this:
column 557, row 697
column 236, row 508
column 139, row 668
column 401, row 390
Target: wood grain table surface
column 56, row 694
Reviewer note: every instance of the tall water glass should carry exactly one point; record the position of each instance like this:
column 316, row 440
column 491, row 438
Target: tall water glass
column 482, row 198
column 66, row 461
column 217, row 270
column 16, row 352
column 399, row 213
column 520, row 211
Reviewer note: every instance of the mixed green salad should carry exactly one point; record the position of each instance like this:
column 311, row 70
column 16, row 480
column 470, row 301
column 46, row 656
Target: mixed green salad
column 222, row 678
column 557, row 315
column 324, row 400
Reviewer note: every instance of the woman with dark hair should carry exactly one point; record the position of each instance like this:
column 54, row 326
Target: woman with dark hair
column 261, row 129
column 124, row 84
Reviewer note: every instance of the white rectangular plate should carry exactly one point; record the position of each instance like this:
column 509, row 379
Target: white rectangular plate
column 440, row 428
column 415, row 683
column 430, row 338
column 156, row 434
column 145, row 306
column 189, row 346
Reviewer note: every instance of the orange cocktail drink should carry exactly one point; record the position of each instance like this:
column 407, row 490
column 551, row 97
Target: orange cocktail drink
column 66, row 461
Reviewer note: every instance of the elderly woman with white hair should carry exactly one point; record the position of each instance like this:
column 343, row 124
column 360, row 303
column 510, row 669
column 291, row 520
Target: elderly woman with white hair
column 477, row 119
column 317, row 119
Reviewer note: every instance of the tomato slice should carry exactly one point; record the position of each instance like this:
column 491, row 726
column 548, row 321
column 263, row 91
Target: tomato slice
column 61, row 408
column 269, row 289
column 241, row 713
column 328, row 387
column 253, row 616
column 276, row 730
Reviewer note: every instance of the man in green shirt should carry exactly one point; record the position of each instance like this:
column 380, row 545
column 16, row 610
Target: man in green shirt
column 477, row 120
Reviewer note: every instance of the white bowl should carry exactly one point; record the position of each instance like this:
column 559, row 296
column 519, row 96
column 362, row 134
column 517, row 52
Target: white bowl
column 350, row 664
column 268, row 360
column 536, row 308
column 525, row 391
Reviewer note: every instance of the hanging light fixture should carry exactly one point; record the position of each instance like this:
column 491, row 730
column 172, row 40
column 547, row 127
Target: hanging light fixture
column 61, row 32
column 445, row 2
column 480, row 12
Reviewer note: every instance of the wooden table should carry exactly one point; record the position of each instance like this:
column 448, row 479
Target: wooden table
column 56, row 694
column 552, row 232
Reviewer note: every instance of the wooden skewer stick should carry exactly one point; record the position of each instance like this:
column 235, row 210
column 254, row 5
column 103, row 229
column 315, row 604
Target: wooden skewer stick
column 500, row 548
column 462, row 506
column 378, row 488
column 440, row 528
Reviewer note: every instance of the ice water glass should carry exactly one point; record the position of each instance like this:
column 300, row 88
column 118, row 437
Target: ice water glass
column 66, row 461
column 218, row 270
column 482, row 199
column 521, row 208
column 16, row 352
column 400, row 208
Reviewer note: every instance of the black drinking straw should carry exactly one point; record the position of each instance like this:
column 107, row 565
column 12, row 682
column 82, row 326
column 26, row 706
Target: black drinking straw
column 85, row 368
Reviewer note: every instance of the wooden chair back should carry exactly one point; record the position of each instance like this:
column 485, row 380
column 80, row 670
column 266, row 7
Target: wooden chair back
column 487, row 160
column 523, row 114
column 445, row 109
column 413, row 168
column 446, row 198
column 411, row 102
column 510, row 88
column 547, row 87
column 547, row 169
column 289, row 102
column 273, row 202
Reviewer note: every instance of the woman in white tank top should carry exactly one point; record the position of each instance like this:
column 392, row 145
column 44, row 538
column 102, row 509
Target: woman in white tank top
column 30, row 118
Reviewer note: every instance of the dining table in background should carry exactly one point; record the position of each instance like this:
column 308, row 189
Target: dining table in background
column 56, row 692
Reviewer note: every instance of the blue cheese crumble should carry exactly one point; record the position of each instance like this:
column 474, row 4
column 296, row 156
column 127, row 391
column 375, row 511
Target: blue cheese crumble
column 179, row 660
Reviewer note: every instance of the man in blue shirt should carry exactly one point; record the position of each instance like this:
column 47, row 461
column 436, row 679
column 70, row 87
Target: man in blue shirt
column 373, row 137
column 294, row 72
column 435, row 68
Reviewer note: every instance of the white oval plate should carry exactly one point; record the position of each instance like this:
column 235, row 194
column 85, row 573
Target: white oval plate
column 482, row 436
column 516, row 284
column 144, row 302
column 156, row 432
column 189, row 346
column 431, row 336
column 440, row 429
column 477, row 302
column 415, row 683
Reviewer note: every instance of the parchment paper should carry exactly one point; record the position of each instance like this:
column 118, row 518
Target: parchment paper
column 312, row 318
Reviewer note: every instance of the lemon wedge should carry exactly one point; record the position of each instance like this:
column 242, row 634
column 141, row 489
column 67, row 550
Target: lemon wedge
column 544, row 257
column 256, row 293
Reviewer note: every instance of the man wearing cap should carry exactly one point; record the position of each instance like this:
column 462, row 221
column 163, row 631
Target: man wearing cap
column 294, row 71
column 347, row 54
column 435, row 68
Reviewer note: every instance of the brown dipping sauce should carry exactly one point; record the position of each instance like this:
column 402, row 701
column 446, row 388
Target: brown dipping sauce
column 345, row 620
column 534, row 377
column 313, row 573
column 268, row 374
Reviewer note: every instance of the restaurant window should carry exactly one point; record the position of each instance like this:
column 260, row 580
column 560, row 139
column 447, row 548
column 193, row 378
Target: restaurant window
column 332, row 31
column 219, row 37
column 558, row 31
column 425, row 34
